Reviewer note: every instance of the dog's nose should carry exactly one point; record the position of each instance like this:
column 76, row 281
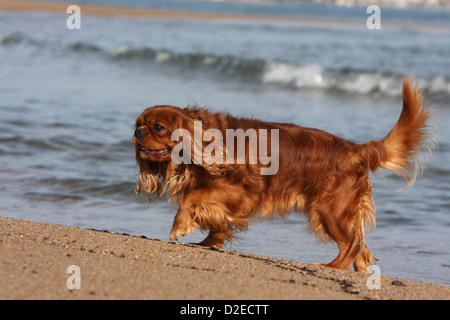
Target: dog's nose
column 139, row 133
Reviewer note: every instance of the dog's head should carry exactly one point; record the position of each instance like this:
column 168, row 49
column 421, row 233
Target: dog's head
column 153, row 145
column 154, row 141
column 153, row 132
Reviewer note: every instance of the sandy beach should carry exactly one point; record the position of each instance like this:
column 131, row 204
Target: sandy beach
column 10, row 5
column 34, row 258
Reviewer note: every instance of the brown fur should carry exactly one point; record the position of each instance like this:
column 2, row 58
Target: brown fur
column 319, row 174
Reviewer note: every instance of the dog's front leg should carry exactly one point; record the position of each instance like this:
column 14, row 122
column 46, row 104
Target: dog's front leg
column 201, row 209
column 215, row 239
column 183, row 224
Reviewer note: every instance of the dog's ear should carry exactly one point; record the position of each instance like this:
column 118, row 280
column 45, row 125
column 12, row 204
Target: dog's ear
column 151, row 175
column 206, row 147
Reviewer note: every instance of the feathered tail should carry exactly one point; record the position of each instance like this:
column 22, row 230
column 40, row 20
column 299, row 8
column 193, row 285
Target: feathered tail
column 401, row 151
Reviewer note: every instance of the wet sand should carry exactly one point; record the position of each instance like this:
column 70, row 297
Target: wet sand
column 34, row 258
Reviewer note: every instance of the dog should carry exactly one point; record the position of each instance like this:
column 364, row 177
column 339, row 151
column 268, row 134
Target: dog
column 318, row 173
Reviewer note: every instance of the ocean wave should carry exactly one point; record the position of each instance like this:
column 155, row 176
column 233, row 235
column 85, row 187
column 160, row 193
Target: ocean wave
column 82, row 47
column 52, row 197
column 346, row 80
column 15, row 38
column 10, row 39
column 225, row 65
column 85, row 186
column 292, row 75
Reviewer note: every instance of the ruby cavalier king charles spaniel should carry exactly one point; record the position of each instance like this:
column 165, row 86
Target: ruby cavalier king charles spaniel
column 224, row 170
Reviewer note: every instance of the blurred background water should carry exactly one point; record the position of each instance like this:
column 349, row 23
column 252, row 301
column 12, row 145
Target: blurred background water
column 68, row 101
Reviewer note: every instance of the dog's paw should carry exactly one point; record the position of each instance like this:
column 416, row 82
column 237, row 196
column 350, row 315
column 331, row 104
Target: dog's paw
column 180, row 230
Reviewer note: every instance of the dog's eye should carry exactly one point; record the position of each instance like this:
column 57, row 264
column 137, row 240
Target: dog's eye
column 158, row 127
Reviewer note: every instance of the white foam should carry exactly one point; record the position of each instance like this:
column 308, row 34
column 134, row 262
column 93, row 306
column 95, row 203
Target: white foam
column 307, row 76
column 118, row 50
column 162, row 56
column 439, row 85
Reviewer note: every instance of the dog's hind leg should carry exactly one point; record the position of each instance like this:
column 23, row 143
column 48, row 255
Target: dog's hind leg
column 367, row 219
column 364, row 260
column 343, row 216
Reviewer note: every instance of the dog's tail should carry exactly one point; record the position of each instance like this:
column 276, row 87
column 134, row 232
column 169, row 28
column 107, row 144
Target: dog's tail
column 401, row 151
